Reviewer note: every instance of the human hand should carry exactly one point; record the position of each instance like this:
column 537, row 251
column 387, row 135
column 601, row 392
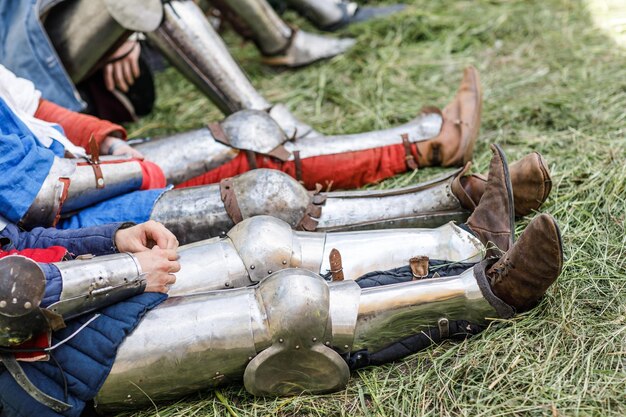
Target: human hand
column 159, row 266
column 145, row 236
column 123, row 69
column 116, row 146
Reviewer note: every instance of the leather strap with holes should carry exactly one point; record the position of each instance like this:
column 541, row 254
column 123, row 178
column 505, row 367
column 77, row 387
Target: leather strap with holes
column 94, row 161
column 313, row 211
column 227, row 192
column 411, row 163
column 336, row 266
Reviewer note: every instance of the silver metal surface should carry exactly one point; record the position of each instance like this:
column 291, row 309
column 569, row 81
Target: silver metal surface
column 324, row 12
column 186, row 155
column 82, row 46
column 296, row 306
column 270, row 33
column 253, row 130
column 191, row 44
column 271, row 192
column 119, row 178
column 184, row 345
column 378, row 250
column 265, row 245
column 423, row 127
column 138, row 16
column 344, row 311
column 418, row 205
column 47, row 204
column 208, row 265
column 293, row 127
column 306, row 48
column 22, row 287
column 193, row 214
column 90, row 284
column 392, row 312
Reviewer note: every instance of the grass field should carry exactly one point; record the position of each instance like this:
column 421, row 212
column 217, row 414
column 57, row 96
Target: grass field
column 555, row 82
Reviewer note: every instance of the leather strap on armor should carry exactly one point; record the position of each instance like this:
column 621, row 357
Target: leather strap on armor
column 411, row 161
column 94, row 161
column 313, row 211
column 230, row 200
column 16, row 371
column 336, row 267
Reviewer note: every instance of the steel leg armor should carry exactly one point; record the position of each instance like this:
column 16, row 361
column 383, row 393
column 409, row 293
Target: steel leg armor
column 278, row 42
column 73, row 184
column 263, row 245
column 184, row 156
column 284, row 336
column 197, row 213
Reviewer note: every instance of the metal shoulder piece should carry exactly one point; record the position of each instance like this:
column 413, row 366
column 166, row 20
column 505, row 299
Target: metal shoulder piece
column 96, row 282
column 22, row 287
column 283, row 336
column 73, row 184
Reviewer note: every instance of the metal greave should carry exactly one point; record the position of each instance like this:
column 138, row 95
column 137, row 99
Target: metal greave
column 323, row 13
column 257, row 247
column 264, row 334
column 189, row 41
column 271, row 34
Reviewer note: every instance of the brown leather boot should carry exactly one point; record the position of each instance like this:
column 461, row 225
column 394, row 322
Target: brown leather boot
column 493, row 218
column 461, row 120
column 522, row 276
column 531, row 182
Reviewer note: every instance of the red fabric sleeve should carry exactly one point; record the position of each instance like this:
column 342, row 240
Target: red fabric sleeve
column 153, row 176
column 340, row 171
column 78, row 127
column 47, row 255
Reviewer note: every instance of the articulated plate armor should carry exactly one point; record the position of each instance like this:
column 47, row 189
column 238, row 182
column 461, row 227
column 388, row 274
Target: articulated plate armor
column 262, row 245
column 196, row 213
column 186, row 155
column 284, row 336
column 88, row 284
column 73, row 184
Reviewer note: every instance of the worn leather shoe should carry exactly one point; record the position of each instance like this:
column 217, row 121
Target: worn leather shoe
column 530, row 177
column 522, row 276
column 461, row 121
column 493, row 219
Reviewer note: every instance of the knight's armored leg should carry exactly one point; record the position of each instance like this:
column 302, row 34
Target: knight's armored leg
column 332, row 15
column 188, row 40
column 278, row 42
column 285, row 336
column 345, row 161
column 73, row 184
column 262, row 245
column 200, row 212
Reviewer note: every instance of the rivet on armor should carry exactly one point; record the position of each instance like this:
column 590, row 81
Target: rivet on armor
column 217, row 373
column 14, row 301
column 27, row 305
column 3, row 304
column 249, row 358
column 280, row 340
column 284, row 262
column 346, row 346
column 314, row 339
column 327, row 343
column 100, row 181
column 129, row 396
column 297, row 346
column 252, row 266
column 227, row 284
column 269, row 271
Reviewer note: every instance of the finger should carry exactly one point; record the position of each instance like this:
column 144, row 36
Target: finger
column 174, row 266
column 128, row 72
column 119, row 77
column 171, row 280
column 136, row 154
column 161, row 235
column 108, row 77
column 134, row 63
